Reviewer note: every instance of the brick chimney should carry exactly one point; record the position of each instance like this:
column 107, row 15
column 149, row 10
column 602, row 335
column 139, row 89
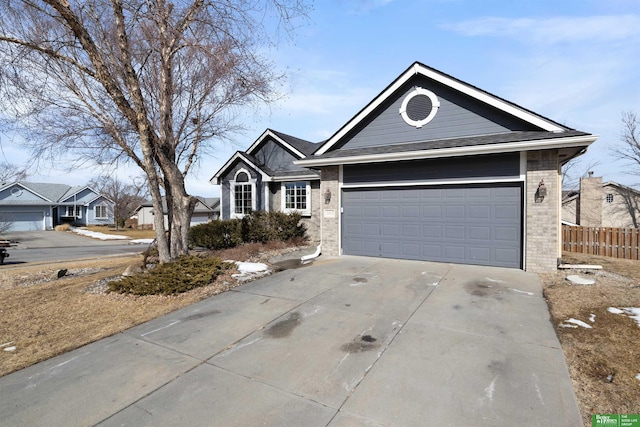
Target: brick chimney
column 590, row 206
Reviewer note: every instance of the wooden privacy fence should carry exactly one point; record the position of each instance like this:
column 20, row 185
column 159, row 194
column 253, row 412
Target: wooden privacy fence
column 604, row 241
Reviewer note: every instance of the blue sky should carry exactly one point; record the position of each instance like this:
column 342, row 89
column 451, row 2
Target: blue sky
column 574, row 61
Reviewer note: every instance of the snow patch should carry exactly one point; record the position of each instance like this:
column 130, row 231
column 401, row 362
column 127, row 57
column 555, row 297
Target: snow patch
column 97, row 235
column 579, row 323
column 12, row 348
column 638, row 377
column 250, row 270
column 592, row 318
column 562, row 325
column 632, row 312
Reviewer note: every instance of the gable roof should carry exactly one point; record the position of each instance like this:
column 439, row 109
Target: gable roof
column 300, row 149
column 418, row 68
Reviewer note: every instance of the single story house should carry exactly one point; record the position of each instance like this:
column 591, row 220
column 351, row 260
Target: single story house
column 432, row 168
column 601, row 204
column 30, row 206
column 207, row 209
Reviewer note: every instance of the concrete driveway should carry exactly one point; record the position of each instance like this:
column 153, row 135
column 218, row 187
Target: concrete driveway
column 346, row 341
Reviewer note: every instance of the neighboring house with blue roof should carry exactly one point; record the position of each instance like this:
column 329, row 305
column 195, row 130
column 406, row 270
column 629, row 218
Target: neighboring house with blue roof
column 433, row 169
column 30, row 206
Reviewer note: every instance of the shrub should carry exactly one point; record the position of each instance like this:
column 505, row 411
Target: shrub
column 259, row 226
column 263, row 227
column 217, row 234
column 63, row 227
column 187, row 273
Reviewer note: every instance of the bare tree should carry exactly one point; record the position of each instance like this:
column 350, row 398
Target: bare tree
column 125, row 197
column 10, row 172
column 629, row 148
column 153, row 82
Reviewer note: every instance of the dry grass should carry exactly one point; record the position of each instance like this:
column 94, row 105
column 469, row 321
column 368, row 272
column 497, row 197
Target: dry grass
column 603, row 361
column 44, row 316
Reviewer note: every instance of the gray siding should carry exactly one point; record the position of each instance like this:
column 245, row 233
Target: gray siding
column 19, row 197
column 502, row 165
column 276, row 158
column 458, row 116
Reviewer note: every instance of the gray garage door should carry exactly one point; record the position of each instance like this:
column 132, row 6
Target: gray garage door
column 24, row 221
column 459, row 224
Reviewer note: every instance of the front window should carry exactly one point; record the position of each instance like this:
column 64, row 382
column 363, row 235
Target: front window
column 70, row 211
column 297, row 197
column 101, row 212
column 243, row 199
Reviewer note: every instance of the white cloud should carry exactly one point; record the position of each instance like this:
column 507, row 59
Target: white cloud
column 552, row 30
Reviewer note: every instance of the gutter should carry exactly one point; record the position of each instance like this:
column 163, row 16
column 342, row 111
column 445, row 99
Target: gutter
column 507, row 147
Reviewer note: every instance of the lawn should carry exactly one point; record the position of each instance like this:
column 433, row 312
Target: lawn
column 129, row 232
column 604, row 360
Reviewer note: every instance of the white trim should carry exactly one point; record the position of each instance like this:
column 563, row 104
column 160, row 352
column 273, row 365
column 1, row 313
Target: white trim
column 435, row 104
column 215, row 178
column 506, row 147
column 485, row 180
column 279, row 140
column 232, row 193
column 523, row 174
column 106, row 209
column 296, row 178
column 283, row 198
column 417, row 68
column 266, row 197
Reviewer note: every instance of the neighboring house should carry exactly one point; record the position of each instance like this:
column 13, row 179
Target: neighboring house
column 207, row 209
column 266, row 178
column 32, row 206
column 599, row 204
column 431, row 169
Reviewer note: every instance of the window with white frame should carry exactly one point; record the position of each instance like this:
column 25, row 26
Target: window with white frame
column 242, row 195
column 70, row 211
column 101, row 212
column 296, row 197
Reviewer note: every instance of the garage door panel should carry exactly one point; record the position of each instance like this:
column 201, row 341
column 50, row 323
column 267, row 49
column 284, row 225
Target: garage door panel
column 476, row 225
column 479, row 254
column 410, row 211
column 454, row 232
column 480, row 233
column 454, row 212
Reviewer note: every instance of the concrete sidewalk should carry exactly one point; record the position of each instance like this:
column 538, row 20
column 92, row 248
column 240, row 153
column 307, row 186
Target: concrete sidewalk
column 344, row 342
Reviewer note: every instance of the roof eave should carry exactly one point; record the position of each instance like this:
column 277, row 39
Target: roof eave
column 507, row 147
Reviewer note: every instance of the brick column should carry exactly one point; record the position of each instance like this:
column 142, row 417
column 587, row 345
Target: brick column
column 543, row 232
column 330, row 212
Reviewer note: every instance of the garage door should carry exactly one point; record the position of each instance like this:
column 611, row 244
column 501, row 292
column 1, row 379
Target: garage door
column 459, row 224
column 24, row 221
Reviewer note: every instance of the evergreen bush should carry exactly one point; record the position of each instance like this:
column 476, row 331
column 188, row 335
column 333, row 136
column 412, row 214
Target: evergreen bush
column 187, row 273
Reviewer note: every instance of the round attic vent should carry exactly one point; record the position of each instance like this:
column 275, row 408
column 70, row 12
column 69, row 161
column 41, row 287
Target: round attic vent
column 17, row 192
column 419, row 107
